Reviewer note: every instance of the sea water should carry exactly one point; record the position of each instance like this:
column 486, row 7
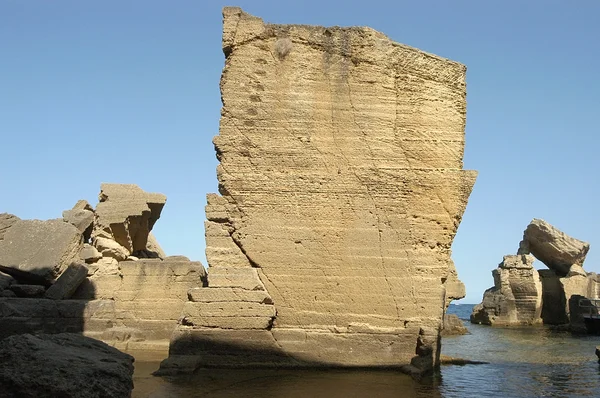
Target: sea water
column 523, row 362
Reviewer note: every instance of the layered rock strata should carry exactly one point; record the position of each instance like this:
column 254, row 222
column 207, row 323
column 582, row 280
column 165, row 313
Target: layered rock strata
column 563, row 284
column 105, row 292
column 342, row 187
column 516, row 298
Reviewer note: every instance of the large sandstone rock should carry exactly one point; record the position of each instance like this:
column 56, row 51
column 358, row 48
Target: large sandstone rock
column 127, row 214
column 342, row 187
column 554, row 248
column 39, row 250
column 453, row 326
column 63, row 365
column 516, row 298
column 68, row 282
column 6, row 221
column 81, row 216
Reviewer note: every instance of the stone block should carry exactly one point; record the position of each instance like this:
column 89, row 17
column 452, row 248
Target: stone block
column 68, row 282
column 39, row 250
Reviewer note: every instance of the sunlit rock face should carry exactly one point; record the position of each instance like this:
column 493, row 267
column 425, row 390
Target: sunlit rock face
column 341, row 183
column 516, row 298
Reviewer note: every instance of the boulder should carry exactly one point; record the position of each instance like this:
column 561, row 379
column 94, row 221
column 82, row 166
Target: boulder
column 453, row 326
column 516, row 298
column 153, row 247
column 110, row 248
column 127, row 214
column 63, row 365
column 553, row 247
column 6, row 221
column 68, row 282
column 28, row 291
column 89, row 253
column 39, row 250
column 81, row 218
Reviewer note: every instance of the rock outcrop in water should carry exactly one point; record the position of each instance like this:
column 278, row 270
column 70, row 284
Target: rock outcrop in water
column 557, row 250
column 341, row 189
column 516, row 298
column 529, row 296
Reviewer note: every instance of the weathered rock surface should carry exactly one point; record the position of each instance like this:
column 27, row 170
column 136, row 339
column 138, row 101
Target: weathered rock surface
column 6, row 221
column 39, row 249
column 81, row 216
column 63, row 365
column 68, row 282
column 554, row 248
column 110, row 248
column 89, row 253
column 127, row 214
column 341, row 188
column 516, row 298
column 27, row 290
column 453, row 326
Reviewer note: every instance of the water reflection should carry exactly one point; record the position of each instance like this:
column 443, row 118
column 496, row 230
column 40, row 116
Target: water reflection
column 288, row 383
column 524, row 362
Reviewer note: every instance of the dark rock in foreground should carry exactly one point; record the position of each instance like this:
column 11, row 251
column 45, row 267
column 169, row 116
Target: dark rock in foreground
column 63, row 365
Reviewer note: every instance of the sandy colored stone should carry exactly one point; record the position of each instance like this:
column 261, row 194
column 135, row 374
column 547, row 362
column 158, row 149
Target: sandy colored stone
column 68, row 282
column 81, row 216
column 110, row 248
column 516, row 298
column 453, row 325
column 127, row 214
column 39, row 249
column 89, row 253
column 553, row 247
column 228, row 294
column 153, row 246
column 244, row 278
column 6, row 221
column 342, row 187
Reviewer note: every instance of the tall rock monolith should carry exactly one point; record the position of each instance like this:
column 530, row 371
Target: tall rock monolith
column 342, row 186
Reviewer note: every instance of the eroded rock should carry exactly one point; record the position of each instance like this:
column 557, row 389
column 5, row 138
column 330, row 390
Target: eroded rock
column 111, row 248
column 127, row 214
column 453, row 326
column 553, row 247
column 341, row 188
column 82, row 217
column 68, row 282
column 63, row 365
column 516, row 298
column 39, row 250
column 6, row 221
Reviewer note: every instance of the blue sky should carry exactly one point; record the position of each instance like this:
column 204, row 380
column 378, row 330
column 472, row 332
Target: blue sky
column 128, row 92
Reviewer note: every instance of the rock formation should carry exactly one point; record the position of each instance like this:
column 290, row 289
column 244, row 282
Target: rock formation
column 516, row 298
column 85, row 278
column 564, row 280
column 341, row 189
column 453, row 325
column 552, row 247
column 63, row 365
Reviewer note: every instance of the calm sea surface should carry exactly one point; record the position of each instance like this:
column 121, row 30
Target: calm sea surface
column 524, row 362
